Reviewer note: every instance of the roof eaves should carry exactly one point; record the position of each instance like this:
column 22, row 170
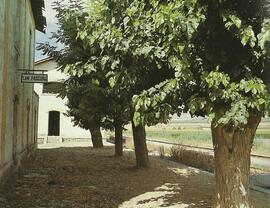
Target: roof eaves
column 37, row 8
column 43, row 60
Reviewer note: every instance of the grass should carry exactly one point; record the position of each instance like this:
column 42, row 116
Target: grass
column 263, row 135
column 192, row 158
column 202, row 138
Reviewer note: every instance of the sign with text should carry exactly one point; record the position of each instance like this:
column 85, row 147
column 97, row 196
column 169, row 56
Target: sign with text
column 34, row 78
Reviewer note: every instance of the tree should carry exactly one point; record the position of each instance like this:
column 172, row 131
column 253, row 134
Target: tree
column 116, row 36
column 120, row 117
column 219, row 73
column 80, row 90
column 94, row 100
column 87, row 103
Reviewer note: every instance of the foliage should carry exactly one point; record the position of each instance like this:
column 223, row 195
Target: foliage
column 87, row 103
column 124, row 46
column 87, row 94
column 220, row 66
column 208, row 58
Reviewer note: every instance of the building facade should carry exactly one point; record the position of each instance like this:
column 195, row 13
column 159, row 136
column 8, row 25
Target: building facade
column 18, row 102
column 53, row 124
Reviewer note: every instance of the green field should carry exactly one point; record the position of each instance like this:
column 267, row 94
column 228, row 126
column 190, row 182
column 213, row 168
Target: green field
column 202, row 138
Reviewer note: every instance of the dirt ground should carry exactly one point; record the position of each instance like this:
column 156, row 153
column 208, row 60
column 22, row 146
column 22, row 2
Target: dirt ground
column 81, row 177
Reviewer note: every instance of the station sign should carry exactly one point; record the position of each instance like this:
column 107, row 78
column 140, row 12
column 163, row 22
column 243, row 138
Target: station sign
column 34, row 78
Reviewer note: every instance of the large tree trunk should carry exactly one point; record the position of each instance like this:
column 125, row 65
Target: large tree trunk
column 141, row 151
column 118, row 130
column 96, row 136
column 232, row 148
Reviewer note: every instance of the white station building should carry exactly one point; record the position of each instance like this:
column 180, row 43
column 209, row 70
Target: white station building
column 52, row 122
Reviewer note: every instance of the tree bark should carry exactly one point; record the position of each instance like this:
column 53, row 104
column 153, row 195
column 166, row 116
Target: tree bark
column 96, row 136
column 141, row 152
column 232, row 148
column 118, row 130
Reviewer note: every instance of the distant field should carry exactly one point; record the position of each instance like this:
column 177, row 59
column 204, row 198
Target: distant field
column 202, row 138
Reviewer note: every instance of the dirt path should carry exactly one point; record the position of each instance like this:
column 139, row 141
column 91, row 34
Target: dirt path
column 82, row 177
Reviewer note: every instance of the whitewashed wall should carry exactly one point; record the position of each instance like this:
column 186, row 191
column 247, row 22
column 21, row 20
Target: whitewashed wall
column 18, row 102
column 50, row 102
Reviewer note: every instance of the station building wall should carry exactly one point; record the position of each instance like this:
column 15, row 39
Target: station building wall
column 18, row 101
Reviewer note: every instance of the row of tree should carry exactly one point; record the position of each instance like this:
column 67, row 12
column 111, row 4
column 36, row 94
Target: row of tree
column 141, row 61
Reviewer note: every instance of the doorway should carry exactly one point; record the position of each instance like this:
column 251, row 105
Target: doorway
column 15, row 124
column 54, row 123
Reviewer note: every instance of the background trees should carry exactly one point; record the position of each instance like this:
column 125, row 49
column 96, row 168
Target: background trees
column 87, row 106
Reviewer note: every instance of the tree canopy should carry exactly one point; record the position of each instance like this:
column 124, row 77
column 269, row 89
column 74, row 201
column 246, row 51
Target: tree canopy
column 220, row 67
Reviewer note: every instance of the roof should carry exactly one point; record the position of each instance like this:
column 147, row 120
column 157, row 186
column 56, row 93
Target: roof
column 43, row 60
column 37, row 8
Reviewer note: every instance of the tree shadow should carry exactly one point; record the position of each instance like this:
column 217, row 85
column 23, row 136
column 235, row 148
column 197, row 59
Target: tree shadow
column 262, row 180
column 87, row 177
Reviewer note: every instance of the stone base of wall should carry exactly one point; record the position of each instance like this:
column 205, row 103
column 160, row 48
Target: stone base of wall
column 56, row 139
column 8, row 171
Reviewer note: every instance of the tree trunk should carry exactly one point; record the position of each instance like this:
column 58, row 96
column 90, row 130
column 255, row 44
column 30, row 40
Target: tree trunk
column 118, row 130
column 96, row 136
column 232, row 148
column 141, row 152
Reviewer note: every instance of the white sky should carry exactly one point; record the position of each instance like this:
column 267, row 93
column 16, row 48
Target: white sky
column 49, row 13
column 51, row 26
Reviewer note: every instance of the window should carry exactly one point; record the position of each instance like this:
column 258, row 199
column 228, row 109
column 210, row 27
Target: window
column 53, row 87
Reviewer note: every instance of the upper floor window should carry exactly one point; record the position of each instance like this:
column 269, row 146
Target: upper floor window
column 53, row 87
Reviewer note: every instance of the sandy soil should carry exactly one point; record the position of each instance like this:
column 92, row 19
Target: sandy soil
column 82, row 177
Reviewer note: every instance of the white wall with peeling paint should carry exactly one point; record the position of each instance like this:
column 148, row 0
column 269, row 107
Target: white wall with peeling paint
column 18, row 101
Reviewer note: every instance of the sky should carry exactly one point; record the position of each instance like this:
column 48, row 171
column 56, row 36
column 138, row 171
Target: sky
column 49, row 13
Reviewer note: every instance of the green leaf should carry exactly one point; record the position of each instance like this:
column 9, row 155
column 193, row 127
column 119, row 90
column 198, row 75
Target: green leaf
column 137, row 118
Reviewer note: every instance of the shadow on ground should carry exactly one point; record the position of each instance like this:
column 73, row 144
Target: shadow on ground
column 85, row 177
column 261, row 180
